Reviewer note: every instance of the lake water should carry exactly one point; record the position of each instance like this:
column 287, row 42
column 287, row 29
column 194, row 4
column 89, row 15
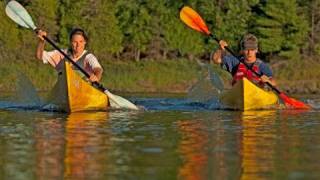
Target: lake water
column 172, row 139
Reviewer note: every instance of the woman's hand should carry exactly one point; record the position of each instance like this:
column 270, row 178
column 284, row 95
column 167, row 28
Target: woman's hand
column 93, row 78
column 41, row 34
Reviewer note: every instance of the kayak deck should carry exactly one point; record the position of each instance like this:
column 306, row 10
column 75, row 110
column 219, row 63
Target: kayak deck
column 72, row 93
column 245, row 95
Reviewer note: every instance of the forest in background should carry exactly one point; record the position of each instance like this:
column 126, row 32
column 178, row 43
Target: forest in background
column 133, row 31
column 140, row 29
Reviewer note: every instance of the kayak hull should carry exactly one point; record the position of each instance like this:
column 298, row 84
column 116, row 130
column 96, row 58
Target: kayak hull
column 245, row 95
column 72, row 93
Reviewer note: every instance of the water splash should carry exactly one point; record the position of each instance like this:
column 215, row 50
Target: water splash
column 26, row 93
column 25, row 96
column 207, row 89
column 314, row 103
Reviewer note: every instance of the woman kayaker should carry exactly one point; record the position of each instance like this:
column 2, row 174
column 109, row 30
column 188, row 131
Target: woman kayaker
column 77, row 52
column 249, row 50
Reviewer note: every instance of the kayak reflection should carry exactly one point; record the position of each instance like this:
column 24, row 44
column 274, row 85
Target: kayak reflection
column 257, row 144
column 72, row 149
column 192, row 149
column 247, row 146
column 49, row 146
column 86, row 145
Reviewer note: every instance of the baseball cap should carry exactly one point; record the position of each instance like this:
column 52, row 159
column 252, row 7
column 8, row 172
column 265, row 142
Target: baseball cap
column 249, row 41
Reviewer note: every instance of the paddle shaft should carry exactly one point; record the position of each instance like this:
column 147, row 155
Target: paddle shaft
column 96, row 84
column 233, row 54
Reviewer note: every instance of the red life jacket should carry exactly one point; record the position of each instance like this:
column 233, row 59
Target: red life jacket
column 243, row 71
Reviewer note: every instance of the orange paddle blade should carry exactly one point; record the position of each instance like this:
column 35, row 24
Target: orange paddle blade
column 192, row 19
column 293, row 103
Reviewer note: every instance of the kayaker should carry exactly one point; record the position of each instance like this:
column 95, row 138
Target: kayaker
column 77, row 52
column 249, row 50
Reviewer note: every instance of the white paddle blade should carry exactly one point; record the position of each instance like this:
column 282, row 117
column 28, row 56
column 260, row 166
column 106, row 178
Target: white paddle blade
column 19, row 14
column 119, row 102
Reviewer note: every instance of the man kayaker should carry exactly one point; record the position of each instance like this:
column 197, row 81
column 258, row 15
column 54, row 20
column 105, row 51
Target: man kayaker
column 249, row 50
column 77, row 52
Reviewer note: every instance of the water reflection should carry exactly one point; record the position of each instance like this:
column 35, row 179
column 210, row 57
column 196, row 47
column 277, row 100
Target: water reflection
column 72, row 149
column 192, row 147
column 248, row 145
column 204, row 148
column 86, row 145
column 160, row 145
column 258, row 144
column 49, row 148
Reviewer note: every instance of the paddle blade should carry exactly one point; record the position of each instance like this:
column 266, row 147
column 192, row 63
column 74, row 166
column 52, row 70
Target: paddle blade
column 119, row 102
column 293, row 103
column 192, row 19
column 19, row 14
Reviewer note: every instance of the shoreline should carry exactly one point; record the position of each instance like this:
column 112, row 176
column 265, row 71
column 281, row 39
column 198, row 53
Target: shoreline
column 168, row 76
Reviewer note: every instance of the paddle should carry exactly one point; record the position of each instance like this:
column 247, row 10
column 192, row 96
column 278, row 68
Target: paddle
column 193, row 20
column 18, row 14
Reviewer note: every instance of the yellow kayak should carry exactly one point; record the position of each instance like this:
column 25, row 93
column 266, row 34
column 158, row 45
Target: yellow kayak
column 71, row 93
column 245, row 95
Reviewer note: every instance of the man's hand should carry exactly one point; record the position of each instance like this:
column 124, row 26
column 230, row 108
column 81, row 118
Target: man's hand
column 216, row 57
column 223, row 44
column 266, row 79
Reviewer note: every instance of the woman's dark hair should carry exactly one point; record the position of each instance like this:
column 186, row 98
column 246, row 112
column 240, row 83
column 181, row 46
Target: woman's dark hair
column 78, row 31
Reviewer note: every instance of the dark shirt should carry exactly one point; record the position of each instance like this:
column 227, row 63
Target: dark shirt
column 230, row 63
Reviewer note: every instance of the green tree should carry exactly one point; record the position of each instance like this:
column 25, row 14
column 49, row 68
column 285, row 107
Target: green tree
column 311, row 9
column 9, row 36
column 22, row 42
column 230, row 19
column 45, row 13
column 281, row 31
column 176, row 37
column 135, row 21
column 98, row 19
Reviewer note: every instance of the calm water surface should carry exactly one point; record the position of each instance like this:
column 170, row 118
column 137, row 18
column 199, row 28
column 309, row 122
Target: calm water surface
column 173, row 139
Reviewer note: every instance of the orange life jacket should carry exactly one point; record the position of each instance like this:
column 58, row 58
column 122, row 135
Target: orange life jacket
column 243, row 71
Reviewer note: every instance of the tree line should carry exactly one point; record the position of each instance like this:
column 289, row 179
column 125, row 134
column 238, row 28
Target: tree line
column 151, row 30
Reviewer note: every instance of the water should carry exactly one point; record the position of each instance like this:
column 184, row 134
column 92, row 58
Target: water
column 173, row 139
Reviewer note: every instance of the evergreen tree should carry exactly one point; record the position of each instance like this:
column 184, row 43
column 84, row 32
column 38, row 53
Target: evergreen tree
column 311, row 9
column 279, row 28
column 315, row 27
column 229, row 19
column 177, row 36
column 154, row 42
